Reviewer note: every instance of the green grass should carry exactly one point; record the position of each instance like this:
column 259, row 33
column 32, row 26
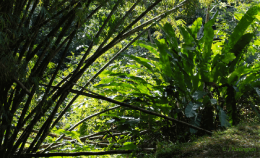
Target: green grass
column 245, row 136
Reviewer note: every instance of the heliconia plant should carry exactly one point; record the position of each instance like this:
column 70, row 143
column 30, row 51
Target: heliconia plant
column 201, row 78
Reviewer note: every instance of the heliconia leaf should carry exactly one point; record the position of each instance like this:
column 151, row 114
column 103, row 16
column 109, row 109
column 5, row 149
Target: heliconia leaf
column 195, row 81
column 170, row 33
column 164, row 61
column 119, row 85
column 141, row 61
column 213, row 101
column 241, row 27
column 205, row 74
column 220, row 70
column 208, row 37
column 190, row 110
column 223, row 118
column 228, row 58
column 237, row 49
column 198, row 95
column 235, row 75
column 186, row 36
column 128, row 146
column 149, row 46
column 195, row 27
column 187, row 80
column 196, row 122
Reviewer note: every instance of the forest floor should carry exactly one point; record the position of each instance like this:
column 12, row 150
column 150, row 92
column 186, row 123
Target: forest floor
column 241, row 141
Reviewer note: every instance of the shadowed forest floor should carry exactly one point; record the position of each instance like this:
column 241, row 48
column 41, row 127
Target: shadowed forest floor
column 240, row 141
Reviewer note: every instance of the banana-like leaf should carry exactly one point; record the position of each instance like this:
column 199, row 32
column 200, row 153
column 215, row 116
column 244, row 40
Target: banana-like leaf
column 164, row 61
column 196, row 122
column 142, row 61
column 198, row 95
column 196, row 26
column 170, row 34
column 241, row 27
column 151, row 47
column 223, row 118
column 208, row 37
column 190, row 110
column 213, row 101
column 186, row 36
column 237, row 49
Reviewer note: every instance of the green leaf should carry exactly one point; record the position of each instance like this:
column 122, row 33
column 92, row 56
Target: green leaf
column 238, row 47
column 213, row 101
column 187, row 38
column 195, row 27
column 149, row 46
column 195, row 82
column 208, row 37
column 128, row 146
column 141, row 61
column 223, row 118
column 170, row 34
column 257, row 91
column 229, row 57
column 198, row 95
column 164, row 59
column 241, row 27
column 196, row 122
column 235, row 75
column 190, row 110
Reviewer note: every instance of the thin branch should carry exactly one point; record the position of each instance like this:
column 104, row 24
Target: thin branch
column 71, row 128
column 116, row 55
column 76, row 154
column 21, row 84
column 50, row 134
column 138, row 28
column 137, row 108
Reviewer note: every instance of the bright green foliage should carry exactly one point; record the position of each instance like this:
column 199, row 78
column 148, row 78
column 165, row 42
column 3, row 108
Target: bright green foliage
column 196, row 72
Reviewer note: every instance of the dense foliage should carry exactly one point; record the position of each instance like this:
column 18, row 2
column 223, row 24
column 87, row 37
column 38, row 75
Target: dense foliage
column 117, row 77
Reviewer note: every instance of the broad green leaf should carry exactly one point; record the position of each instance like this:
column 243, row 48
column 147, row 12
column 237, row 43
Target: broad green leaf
column 208, row 37
column 213, row 101
column 204, row 74
column 250, row 78
column 190, row 110
column 241, row 27
column 187, row 80
column 164, row 59
column 257, row 91
column 118, row 85
column 195, row 27
column 170, row 32
column 235, row 75
column 149, row 46
column 128, row 146
column 141, row 61
column 223, row 118
column 186, row 36
column 229, row 57
column 237, row 49
column 196, row 122
column 198, row 95
column 195, row 82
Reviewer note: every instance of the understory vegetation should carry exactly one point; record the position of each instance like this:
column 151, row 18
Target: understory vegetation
column 138, row 78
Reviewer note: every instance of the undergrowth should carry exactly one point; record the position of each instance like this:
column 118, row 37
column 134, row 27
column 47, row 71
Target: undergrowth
column 242, row 140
